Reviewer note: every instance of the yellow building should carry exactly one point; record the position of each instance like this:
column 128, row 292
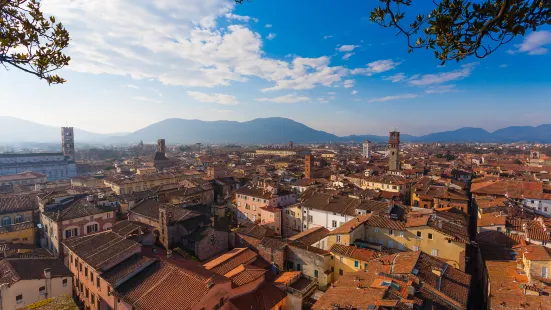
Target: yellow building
column 537, row 263
column 349, row 232
column 442, row 234
column 345, row 259
column 281, row 152
column 21, row 233
column 388, row 183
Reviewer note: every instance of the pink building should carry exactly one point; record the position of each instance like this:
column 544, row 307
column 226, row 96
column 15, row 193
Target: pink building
column 271, row 217
column 251, row 200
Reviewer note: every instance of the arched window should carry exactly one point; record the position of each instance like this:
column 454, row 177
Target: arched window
column 6, row 221
column 18, row 218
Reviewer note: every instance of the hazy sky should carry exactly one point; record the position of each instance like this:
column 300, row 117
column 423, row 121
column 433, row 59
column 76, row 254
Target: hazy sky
column 321, row 63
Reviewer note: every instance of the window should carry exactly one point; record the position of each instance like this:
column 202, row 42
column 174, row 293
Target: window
column 80, row 266
column 499, row 229
column 298, row 267
column 221, row 303
column 376, row 229
column 341, row 272
column 401, row 233
column 338, row 238
column 365, row 266
column 97, row 280
column 64, row 282
column 93, row 299
column 332, row 269
column 415, row 248
column 316, row 273
column 92, row 228
column 390, row 232
column 419, row 235
column 91, row 277
column 87, row 293
column 356, row 264
column 334, row 224
column 340, row 259
column 6, row 221
column 430, row 236
column 434, row 252
column 73, row 232
column 42, row 290
column 544, row 272
column 310, row 219
column 18, row 219
column 86, row 272
column 18, row 299
column 76, row 262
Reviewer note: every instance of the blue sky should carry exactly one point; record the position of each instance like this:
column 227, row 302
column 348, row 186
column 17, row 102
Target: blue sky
column 321, row 63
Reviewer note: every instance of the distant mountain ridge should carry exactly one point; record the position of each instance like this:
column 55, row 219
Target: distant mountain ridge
column 258, row 131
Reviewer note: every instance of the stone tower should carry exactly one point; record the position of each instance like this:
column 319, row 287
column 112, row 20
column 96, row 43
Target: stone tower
column 68, row 142
column 366, row 149
column 161, row 147
column 308, row 166
column 394, row 151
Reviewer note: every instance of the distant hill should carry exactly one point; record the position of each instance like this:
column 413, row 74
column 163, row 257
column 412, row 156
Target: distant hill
column 258, row 131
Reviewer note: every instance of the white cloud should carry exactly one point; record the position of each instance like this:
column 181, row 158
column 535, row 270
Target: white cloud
column 180, row 44
column 347, row 48
column 131, row 86
column 147, row 99
column 534, row 43
column 395, row 78
column 378, row 66
column 327, row 37
column 285, row 99
column 349, row 83
column 213, row 98
column 268, row 25
column 271, row 36
column 503, row 65
column 440, row 78
column 389, row 98
column 322, row 100
column 441, row 89
column 354, row 92
column 347, row 55
column 241, row 18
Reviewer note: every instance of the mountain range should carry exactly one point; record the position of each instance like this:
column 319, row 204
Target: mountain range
column 257, row 131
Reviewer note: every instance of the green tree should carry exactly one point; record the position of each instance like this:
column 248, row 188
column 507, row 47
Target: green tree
column 456, row 29
column 31, row 42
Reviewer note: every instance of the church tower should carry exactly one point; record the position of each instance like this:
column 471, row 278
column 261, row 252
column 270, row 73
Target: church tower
column 68, row 142
column 308, row 166
column 394, row 152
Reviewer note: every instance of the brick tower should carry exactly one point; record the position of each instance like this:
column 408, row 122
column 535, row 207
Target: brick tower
column 308, row 166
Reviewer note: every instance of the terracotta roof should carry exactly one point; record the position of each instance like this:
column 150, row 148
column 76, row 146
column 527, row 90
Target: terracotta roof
column 76, row 209
column 486, row 221
column 128, row 267
column 125, row 228
column 265, row 297
column 537, row 253
column 169, row 284
column 16, row 269
column 245, row 274
column 498, row 238
column 385, row 222
column 228, row 261
column 416, row 221
column 101, row 249
column 351, row 225
column 354, row 252
column 310, row 236
column 17, row 203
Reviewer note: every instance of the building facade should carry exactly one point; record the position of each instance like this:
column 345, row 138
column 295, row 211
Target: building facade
column 68, row 142
column 56, row 166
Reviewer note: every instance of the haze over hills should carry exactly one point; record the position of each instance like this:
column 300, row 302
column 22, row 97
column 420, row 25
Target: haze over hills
column 261, row 131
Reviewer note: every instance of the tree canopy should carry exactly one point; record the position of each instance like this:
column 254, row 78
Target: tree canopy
column 31, row 42
column 456, row 29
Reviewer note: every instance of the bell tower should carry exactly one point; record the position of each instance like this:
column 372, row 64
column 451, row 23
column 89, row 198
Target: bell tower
column 394, row 151
column 68, row 142
column 308, row 166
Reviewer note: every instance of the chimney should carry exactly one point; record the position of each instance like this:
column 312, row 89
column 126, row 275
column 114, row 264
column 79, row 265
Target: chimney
column 48, row 273
column 168, row 253
column 411, row 290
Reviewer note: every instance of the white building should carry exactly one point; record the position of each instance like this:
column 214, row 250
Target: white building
column 366, row 149
column 55, row 166
column 541, row 204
